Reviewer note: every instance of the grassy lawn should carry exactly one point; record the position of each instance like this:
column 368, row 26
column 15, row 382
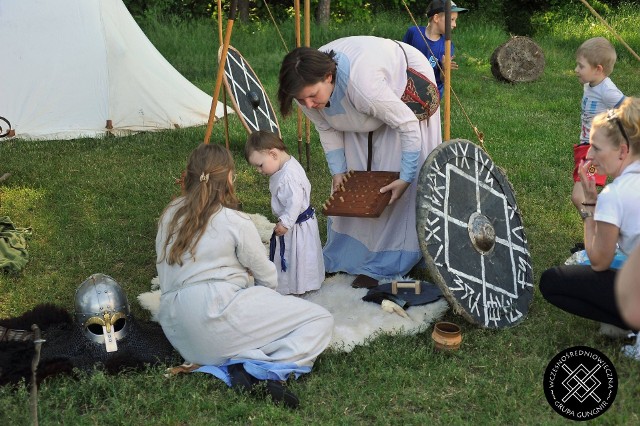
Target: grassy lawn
column 94, row 204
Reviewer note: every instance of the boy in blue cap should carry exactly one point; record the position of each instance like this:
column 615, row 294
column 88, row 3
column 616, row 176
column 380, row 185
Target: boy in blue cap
column 430, row 39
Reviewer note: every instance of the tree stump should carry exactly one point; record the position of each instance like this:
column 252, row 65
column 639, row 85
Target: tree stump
column 519, row 60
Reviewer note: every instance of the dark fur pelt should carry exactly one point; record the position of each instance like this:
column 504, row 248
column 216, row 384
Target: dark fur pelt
column 66, row 350
column 44, row 315
column 15, row 364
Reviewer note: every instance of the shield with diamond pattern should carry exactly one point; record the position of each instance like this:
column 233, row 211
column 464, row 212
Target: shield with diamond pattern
column 472, row 236
column 247, row 94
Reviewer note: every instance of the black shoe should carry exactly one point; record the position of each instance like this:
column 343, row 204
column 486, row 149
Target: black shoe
column 280, row 394
column 240, row 379
column 578, row 247
column 363, row 281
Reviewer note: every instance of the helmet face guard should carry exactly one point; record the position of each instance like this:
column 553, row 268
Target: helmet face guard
column 102, row 311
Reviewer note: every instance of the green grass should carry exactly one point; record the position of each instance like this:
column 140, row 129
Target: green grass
column 93, row 207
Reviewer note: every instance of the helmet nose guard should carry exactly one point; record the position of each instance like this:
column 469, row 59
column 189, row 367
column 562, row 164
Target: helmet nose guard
column 102, row 310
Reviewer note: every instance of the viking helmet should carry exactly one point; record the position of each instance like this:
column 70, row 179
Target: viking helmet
column 102, row 310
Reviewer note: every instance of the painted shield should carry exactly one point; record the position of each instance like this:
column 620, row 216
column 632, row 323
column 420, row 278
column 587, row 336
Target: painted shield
column 5, row 129
column 247, row 94
column 472, row 236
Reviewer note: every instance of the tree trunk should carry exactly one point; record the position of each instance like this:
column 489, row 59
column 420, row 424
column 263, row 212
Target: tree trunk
column 243, row 10
column 323, row 13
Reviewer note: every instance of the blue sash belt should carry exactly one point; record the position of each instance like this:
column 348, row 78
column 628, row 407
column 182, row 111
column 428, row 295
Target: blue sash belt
column 304, row 216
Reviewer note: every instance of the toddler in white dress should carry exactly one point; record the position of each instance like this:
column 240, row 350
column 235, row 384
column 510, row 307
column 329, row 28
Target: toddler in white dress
column 295, row 244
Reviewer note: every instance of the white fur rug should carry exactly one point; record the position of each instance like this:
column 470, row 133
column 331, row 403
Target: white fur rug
column 356, row 321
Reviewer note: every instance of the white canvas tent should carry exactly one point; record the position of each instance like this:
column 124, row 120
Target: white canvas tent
column 70, row 67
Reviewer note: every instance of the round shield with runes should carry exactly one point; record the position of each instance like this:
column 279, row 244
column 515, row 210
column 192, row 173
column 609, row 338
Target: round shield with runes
column 472, row 236
column 247, row 94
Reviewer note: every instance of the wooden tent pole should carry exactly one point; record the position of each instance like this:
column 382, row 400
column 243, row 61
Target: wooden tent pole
column 296, row 6
column 223, row 60
column 224, row 92
column 447, row 71
column 307, row 42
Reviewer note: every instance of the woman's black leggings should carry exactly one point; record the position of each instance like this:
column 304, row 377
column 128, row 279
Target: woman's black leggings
column 580, row 290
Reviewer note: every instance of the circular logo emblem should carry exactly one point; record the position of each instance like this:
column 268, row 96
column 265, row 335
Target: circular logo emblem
column 580, row 383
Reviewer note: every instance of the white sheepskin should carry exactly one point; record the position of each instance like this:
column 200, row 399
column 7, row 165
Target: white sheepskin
column 356, row 321
column 265, row 228
column 151, row 299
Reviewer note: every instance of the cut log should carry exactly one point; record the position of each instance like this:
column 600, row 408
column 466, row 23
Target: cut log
column 519, row 60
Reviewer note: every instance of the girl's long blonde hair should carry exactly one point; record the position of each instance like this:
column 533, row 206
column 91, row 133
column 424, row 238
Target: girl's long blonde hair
column 207, row 188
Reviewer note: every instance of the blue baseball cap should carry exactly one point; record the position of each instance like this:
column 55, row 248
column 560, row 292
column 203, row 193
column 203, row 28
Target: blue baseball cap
column 438, row 6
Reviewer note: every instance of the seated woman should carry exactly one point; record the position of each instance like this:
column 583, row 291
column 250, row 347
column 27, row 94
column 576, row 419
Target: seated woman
column 210, row 310
column 610, row 219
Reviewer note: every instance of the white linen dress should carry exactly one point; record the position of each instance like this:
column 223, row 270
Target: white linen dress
column 290, row 196
column 370, row 79
column 212, row 313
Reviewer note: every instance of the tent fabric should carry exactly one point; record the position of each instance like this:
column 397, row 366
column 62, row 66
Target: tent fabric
column 68, row 66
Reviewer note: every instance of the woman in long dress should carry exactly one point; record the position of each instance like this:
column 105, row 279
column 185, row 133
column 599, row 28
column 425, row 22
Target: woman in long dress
column 349, row 88
column 210, row 309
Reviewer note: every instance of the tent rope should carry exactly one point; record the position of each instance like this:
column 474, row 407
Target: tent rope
column 286, row 48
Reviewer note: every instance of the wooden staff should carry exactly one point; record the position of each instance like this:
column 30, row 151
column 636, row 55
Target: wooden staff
column 224, row 92
column 447, row 70
column 296, row 7
column 307, row 42
column 33, row 397
column 223, row 60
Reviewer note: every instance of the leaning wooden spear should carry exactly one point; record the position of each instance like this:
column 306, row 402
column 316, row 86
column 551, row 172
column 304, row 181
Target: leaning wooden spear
column 223, row 60
column 447, row 71
column 307, row 42
column 224, row 93
column 296, row 8
column 616, row 35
